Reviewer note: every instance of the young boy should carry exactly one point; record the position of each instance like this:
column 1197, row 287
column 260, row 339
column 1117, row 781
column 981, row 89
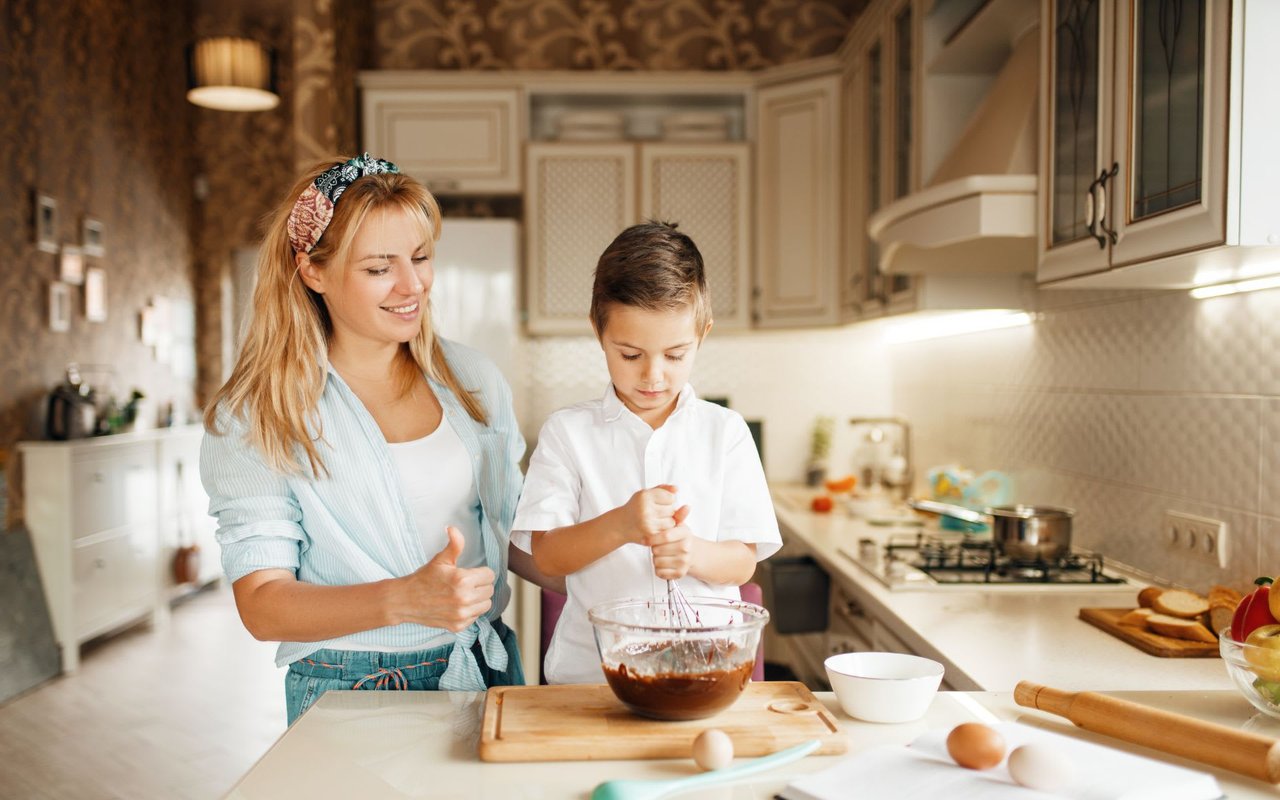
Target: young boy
column 647, row 483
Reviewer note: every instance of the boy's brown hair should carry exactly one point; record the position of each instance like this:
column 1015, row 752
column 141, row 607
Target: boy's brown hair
column 651, row 266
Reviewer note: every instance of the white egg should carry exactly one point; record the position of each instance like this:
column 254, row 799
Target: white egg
column 713, row 749
column 1042, row 767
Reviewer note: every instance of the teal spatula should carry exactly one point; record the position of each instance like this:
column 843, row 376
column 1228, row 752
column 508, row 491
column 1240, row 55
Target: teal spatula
column 650, row 789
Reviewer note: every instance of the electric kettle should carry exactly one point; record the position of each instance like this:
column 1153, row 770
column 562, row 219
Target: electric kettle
column 71, row 412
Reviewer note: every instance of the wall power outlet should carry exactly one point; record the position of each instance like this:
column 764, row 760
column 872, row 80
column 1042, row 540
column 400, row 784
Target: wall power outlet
column 1200, row 538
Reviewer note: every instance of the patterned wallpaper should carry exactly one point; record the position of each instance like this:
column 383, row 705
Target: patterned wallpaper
column 95, row 118
column 607, row 34
column 246, row 166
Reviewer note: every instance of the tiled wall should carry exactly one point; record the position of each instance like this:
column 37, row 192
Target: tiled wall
column 1120, row 405
column 784, row 379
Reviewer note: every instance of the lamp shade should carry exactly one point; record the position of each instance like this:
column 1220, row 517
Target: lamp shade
column 231, row 74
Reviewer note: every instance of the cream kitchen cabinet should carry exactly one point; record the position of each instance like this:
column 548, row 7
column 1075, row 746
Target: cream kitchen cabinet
column 102, row 514
column 582, row 195
column 1157, row 124
column 798, row 206
column 457, row 141
column 880, row 91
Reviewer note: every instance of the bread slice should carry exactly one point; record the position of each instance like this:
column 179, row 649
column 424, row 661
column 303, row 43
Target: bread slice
column 1179, row 603
column 1148, row 595
column 1178, row 628
column 1137, row 617
column 1223, row 601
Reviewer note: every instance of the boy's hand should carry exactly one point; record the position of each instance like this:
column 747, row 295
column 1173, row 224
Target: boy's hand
column 672, row 548
column 649, row 512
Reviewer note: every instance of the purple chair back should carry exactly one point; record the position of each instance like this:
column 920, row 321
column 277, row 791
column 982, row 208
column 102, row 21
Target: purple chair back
column 553, row 604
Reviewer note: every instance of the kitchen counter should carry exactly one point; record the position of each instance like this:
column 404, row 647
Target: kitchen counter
column 989, row 639
column 423, row 744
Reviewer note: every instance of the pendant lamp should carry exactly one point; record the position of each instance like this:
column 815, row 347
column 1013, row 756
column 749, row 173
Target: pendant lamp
column 231, row 74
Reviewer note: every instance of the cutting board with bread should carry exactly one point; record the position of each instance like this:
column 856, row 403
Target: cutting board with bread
column 1170, row 623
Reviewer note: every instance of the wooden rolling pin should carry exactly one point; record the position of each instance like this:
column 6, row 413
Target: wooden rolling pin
column 1207, row 742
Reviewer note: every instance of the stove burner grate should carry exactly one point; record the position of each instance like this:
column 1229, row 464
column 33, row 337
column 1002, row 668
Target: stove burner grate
column 967, row 559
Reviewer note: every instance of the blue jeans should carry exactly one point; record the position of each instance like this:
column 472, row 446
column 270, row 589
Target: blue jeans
column 418, row 670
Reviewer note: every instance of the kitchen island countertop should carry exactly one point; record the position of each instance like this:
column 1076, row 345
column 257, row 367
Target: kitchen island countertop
column 989, row 639
column 424, row 744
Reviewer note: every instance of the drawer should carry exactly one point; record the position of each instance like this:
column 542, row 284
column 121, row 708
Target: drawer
column 112, row 488
column 112, row 579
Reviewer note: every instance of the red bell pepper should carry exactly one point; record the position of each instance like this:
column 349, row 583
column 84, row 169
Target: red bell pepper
column 1253, row 611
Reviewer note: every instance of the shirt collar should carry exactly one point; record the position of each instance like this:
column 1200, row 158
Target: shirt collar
column 613, row 405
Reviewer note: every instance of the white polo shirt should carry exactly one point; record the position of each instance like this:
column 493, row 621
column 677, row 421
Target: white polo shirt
column 593, row 456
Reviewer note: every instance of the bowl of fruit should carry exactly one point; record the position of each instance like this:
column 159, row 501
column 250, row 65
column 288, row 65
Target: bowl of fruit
column 1251, row 648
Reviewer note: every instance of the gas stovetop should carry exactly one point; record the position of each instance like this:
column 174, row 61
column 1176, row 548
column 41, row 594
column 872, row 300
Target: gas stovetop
column 940, row 559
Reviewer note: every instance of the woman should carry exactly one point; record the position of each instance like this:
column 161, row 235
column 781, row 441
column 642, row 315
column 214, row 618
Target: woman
column 363, row 471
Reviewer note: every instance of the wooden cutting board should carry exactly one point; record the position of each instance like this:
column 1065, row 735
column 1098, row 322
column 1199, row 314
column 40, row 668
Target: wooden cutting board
column 1144, row 640
column 585, row 722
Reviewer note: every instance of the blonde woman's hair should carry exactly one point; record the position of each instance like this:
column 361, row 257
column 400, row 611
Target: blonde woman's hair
column 281, row 372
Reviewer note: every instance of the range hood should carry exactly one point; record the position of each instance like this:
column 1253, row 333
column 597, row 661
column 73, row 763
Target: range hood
column 978, row 213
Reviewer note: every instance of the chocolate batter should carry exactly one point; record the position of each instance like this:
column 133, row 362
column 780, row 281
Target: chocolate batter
column 679, row 695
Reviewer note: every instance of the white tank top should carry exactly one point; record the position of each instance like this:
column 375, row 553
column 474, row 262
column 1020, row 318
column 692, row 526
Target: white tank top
column 438, row 486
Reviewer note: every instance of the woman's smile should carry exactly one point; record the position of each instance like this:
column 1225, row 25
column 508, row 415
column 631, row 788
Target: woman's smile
column 406, row 311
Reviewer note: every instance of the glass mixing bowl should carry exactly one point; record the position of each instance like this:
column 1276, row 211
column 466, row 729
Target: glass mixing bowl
column 665, row 665
column 1254, row 670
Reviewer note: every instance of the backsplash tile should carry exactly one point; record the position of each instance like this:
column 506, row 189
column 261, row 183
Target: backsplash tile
column 1122, row 405
column 785, row 378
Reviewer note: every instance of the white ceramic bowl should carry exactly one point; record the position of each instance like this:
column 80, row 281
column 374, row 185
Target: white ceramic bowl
column 884, row 687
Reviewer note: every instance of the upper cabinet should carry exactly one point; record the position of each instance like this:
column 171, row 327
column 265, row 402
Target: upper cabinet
column 1152, row 117
column 880, row 89
column 798, row 211
column 581, row 195
column 457, row 141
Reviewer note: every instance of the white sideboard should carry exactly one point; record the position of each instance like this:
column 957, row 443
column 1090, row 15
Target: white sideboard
column 106, row 515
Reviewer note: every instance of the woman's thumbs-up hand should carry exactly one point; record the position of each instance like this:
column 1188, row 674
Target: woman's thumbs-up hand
column 443, row 595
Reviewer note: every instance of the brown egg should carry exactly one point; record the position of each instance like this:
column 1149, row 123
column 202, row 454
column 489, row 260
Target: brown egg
column 713, row 749
column 975, row 745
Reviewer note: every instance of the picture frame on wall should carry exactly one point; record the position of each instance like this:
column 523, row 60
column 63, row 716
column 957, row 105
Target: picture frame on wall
column 46, row 223
column 91, row 241
column 95, row 294
column 59, row 307
column 71, row 265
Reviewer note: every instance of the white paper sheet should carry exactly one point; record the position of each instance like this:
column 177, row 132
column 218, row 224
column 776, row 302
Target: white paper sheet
column 925, row 770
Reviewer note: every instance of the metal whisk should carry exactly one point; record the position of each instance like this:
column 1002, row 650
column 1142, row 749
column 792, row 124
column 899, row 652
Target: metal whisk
column 679, row 610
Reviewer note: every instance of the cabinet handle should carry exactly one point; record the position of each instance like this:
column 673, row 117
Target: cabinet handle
column 98, row 477
column 100, row 563
column 1102, row 205
column 1090, row 218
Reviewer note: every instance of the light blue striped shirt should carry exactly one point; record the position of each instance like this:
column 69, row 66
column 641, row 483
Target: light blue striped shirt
column 355, row 526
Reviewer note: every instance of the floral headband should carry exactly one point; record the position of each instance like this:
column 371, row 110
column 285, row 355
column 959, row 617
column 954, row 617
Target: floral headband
column 314, row 210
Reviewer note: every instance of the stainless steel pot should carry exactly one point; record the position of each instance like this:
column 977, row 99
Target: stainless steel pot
column 1022, row 532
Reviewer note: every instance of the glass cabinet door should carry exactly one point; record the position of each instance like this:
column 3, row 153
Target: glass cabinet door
column 873, row 122
column 1171, row 97
column 903, row 131
column 1075, row 110
column 1168, row 105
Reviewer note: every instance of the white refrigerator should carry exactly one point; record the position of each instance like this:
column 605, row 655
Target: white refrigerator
column 474, row 300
